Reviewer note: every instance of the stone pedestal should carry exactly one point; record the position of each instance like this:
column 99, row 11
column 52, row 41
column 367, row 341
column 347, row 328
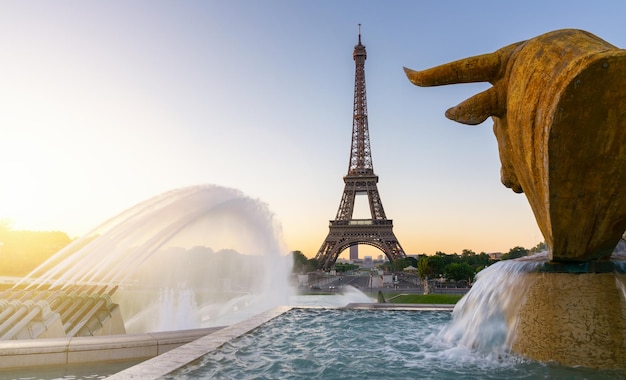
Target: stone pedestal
column 575, row 319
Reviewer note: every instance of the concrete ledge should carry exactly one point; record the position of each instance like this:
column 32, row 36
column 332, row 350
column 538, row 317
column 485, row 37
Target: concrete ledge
column 111, row 348
column 169, row 340
column 32, row 353
column 15, row 354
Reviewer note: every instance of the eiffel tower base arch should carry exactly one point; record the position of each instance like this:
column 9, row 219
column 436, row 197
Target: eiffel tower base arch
column 344, row 234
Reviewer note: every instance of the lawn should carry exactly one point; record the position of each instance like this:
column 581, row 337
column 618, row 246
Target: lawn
column 450, row 299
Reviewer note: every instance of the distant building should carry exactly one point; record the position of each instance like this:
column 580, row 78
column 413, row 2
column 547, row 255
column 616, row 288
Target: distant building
column 496, row 255
column 368, row 262
column 354, row 252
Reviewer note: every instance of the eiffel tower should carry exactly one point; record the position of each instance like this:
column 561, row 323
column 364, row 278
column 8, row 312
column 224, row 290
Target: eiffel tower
column 345, row 231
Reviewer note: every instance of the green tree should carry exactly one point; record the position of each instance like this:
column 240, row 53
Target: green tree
column 515, row 253
column 483, row 260
column 312, row 265
column 436, row 264
column 467, row 254
column 475, row 261
column 341, row 267
column 300, row 262
column 459, row 271
column 430, row 267
column 539, row 247
column 399, row 264
column 412, row 261
column 423, row 269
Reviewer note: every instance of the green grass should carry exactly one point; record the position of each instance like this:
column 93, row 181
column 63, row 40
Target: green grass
column 449, row 299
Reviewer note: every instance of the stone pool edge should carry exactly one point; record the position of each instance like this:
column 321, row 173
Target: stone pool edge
column 28, row 353
column 399, row 306
column 162, row 365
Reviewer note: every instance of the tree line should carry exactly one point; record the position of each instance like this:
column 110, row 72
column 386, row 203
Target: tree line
column 21, row 251
column 457, row 267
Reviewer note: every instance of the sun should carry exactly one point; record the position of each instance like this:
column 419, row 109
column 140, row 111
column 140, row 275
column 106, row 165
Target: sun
column 19, row 188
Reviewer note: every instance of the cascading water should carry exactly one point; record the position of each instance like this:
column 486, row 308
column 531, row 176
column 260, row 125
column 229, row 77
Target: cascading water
column 486, row 319
column 481, row 319
column 192, row 257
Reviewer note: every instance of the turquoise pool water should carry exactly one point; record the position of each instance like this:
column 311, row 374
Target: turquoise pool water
column 362, row 344
column 93, row 371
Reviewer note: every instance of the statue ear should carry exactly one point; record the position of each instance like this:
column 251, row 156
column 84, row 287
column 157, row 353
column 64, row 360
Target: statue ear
column 508, row 174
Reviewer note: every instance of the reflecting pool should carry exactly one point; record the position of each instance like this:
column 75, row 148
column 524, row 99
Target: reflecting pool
column 365, row 344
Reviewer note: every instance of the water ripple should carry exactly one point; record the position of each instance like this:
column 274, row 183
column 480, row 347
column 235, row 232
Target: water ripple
column 360, row 344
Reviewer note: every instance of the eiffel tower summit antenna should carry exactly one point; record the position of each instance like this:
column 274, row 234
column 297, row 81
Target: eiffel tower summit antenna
column 344, row 230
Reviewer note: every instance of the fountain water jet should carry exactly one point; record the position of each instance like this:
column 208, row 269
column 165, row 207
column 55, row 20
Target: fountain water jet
column 176, row 256
column 482, row 318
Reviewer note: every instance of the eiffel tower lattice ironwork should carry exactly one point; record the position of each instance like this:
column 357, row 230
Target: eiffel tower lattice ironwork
column 345, row 231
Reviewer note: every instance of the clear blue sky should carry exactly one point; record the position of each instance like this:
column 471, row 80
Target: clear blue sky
column 106, row 103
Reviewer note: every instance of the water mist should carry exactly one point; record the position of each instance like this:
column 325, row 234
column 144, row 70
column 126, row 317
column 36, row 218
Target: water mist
column 193, row 257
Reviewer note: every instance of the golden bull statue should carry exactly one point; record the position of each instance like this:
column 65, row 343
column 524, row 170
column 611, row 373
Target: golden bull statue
column 558, row 103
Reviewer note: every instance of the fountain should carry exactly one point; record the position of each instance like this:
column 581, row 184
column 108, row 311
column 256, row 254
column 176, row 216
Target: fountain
column 558, row 103
column 191, row 258
column 558, row 110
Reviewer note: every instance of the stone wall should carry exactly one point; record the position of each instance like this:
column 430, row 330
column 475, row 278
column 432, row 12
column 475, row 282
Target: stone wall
column 576, row 319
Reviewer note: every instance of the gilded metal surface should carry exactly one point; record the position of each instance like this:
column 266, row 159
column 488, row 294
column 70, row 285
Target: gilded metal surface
column 558, row 103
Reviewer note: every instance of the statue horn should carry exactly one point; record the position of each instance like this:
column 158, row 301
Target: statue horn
column 480, row 68
column 479, row 107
